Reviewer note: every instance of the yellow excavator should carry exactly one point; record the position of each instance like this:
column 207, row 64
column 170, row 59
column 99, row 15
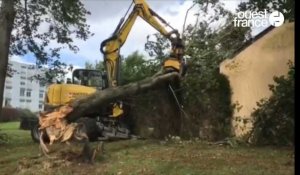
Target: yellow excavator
column 85, row 82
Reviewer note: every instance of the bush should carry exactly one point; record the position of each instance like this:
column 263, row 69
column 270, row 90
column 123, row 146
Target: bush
column 208, row 103
column 207, row 112
column 28, row 119
column 274, row 117
column 154, row 114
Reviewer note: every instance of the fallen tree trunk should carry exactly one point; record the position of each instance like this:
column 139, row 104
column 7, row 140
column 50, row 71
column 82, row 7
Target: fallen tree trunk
column 100, row 98
column 59, row 127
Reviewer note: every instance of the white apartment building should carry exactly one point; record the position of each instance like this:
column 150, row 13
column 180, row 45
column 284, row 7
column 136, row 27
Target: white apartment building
column 21, row 90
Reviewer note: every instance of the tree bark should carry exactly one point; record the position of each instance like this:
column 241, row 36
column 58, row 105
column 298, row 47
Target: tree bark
column 98, row 99
column 7, row 16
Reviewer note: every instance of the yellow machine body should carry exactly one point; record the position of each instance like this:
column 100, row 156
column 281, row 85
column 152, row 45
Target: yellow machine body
column 61, row 94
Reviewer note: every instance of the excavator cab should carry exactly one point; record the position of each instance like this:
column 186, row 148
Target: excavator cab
column 90, row 78
column 82, row 83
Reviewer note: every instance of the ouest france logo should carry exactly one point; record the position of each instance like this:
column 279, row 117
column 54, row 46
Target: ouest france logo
column 258, row 19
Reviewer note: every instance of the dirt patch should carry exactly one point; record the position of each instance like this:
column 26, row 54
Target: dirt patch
column 40, row 165
column 62, row 159
column 44, row 165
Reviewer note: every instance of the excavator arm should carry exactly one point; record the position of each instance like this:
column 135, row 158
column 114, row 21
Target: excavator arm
column 111, row 46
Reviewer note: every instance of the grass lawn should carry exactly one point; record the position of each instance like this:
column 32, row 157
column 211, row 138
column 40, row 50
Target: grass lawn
column 21, row 156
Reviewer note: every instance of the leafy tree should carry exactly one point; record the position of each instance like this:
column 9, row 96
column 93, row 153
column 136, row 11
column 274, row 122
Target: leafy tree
column 274, row 119
column 206, row 92
column 89, row 65
column 30, row 26
column 159, row 48
column 98, row 65
column 135, row 67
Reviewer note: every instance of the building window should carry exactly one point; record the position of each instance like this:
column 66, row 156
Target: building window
column 28, row 101
column 31, row 67
column 22, row 92
column 22, row 100
column 22, row 83
column 41, row 95
column 24, row 78
column 7, row 101
column 28, row 94
column 23, row 67
column 40, row 106
column 8, row 87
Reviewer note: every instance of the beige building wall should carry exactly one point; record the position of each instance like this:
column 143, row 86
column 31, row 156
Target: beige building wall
column 252, row 70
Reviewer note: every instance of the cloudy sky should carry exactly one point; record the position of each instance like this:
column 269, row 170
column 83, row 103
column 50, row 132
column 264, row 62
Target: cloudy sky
column 105, row 15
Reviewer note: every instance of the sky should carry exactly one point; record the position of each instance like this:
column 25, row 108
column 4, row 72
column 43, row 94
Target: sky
column 105, row 15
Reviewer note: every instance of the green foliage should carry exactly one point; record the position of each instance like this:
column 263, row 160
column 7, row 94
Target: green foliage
column 62, row 22
column 208, row 106
column 3, row 138
column 98, row 65
column 159, row 48
column 135, row 68
column 28, row 119
column 207, row 93
column 27, row 113
column 274, row 118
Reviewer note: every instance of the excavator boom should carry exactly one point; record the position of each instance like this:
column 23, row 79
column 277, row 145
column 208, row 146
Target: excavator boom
column 111, row 46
